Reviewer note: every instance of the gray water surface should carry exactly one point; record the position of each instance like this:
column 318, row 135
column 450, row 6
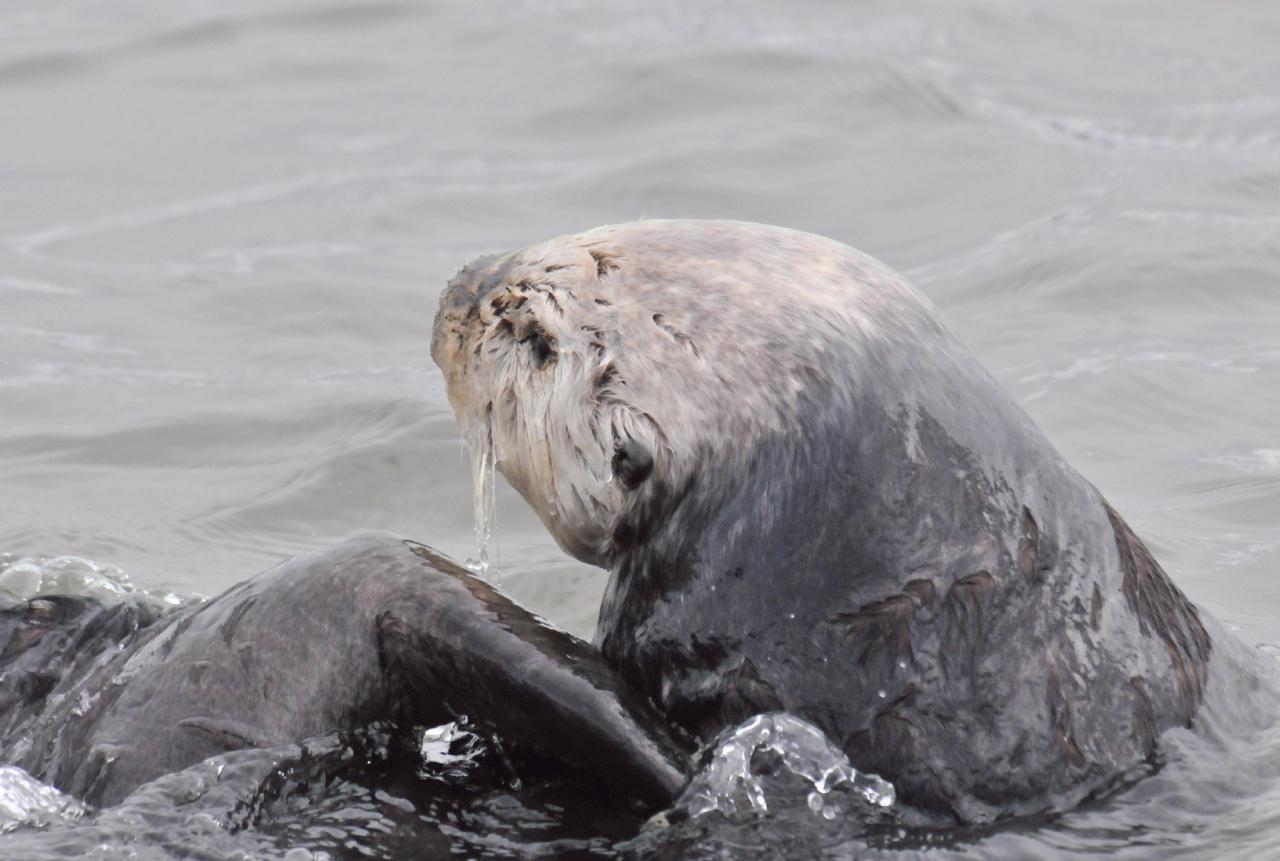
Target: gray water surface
column 224, row 227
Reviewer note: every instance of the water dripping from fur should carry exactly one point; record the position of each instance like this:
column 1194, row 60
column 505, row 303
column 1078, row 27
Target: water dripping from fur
column 484, row 497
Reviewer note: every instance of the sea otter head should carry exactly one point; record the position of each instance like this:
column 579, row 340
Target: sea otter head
column 615, row 370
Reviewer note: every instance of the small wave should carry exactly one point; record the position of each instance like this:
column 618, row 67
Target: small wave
column 30, row 285
column 444, row 175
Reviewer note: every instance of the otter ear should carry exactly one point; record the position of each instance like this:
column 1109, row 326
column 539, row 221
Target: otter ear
column 632, row 463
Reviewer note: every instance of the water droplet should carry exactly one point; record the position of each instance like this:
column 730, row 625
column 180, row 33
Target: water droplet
column 881, row 694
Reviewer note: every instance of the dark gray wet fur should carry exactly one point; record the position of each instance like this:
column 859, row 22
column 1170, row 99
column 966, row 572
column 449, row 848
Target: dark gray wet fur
column 923, row 576
column 845, row 518
column 100, row 699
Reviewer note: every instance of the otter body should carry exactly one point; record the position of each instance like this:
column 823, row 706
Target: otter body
column 812, row 498
column 98, row 700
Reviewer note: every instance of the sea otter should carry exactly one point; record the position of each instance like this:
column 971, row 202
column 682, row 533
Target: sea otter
column 812, row 498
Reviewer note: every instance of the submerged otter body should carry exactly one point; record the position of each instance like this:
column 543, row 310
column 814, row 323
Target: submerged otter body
column 811, row 497
column 99, row 699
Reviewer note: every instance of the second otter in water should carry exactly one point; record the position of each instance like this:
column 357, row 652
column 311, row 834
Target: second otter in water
column 811, row 497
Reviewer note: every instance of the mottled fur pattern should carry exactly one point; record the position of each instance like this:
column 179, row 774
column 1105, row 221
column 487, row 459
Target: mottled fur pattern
column 624, row 338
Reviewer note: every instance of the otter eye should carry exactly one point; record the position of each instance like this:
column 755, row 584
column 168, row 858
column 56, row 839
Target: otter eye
column 540, row 348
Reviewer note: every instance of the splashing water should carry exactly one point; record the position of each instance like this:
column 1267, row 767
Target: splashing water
column 734, row 783
column 450, row 747
column 26, row 801
column 26, row 577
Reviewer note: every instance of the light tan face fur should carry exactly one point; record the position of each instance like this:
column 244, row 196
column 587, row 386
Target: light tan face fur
column 687, row 337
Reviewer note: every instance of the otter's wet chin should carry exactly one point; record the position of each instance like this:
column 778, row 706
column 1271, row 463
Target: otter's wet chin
column 581, row 536
column 590, row 552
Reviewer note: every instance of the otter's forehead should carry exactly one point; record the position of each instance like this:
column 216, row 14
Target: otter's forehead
column 742, row 285
column 741, row 319
column 717, row 284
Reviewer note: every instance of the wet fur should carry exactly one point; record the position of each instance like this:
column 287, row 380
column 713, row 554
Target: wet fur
column 99, row 699
column 846, row 517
